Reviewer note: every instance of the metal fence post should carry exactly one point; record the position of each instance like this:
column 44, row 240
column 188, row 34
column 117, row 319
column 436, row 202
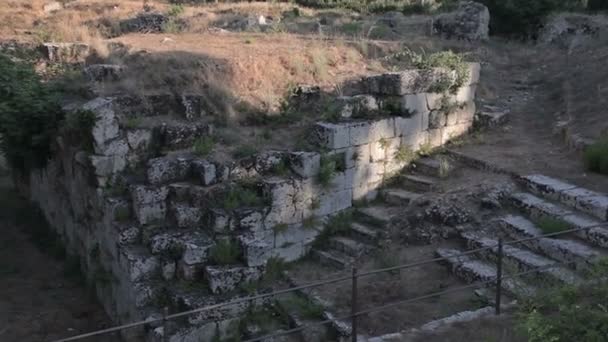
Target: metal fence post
column 165, row 325
column 499, row 276
column 353, row 306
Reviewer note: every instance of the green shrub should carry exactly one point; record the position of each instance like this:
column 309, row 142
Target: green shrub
column 336, row 224
column 404, row 154
column 444, row 59
column 304, row 307
column 568, row 313
column 203, row 146
column 240, row 196
column 225, row 252
column 596, row 156
column 78, row 128
column 175, row 10
column 30, row 116
column 550, row 225
column 244, row 151
column 523, row 18
column 330, row 166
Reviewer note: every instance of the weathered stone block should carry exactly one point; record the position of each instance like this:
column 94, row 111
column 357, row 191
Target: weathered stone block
column 267, row 161
column 332, row 135
column 167, row 169
column 407, row 82
column 415, row 103
column 474, row 72
column 382, row 129
column 106, row 126
column 455, row 131
column 305, row 164
column 437, row 119
column 149, row 203
column 222, row 279
column 186, row 216
column 139, row 139
column 357, row 155
column 138, row 262
column 465, row 94
column 359, row 106
column 409, row 126
column 205, row 171
column 435, row 137
column 359, row 133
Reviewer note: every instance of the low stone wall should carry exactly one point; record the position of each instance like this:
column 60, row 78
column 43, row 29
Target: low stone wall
column 143, row 222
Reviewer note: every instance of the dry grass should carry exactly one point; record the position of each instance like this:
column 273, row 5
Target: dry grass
column 258, row 72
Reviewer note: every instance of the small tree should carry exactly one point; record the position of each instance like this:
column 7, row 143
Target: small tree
column 29, row 115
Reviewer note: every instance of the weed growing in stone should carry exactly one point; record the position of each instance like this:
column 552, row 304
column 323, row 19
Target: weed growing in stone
column 327, row 171
column 404, row 154
column 444, row 166
column 550, row 225
column 336, row 224
column 244, row 151
column 280, row 228
column 240, row 196
column 132, row 122
column 203, row 146
column 425, row 149
column 310, row 222
column 596, row 156
column 304, row 307
column 225, row 252
column 444, row 59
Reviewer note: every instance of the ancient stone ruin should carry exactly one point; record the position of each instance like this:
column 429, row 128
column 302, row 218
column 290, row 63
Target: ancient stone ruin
column 149, row 215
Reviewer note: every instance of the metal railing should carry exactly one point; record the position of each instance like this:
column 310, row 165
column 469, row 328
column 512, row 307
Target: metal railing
column 354, row 277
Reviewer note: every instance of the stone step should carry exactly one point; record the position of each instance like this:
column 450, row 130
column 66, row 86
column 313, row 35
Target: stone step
column 590, row 202
column 348, row 246
column 574, row 253
column 472, row 270
column 433, row 167
column 399, row 196
column 418, row 183
column 364, row 233
column 375, row 216
column 521, row 259
column 332, row 258
column 537, row 208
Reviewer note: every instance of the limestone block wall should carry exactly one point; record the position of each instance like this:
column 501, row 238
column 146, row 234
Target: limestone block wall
column 142, row 222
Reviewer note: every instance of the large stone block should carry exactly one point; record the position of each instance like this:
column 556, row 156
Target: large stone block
column 465, row 94
column 407, row 82
column 139, row 263
column 359, row 133
column 106, row 126
column 474, row 73
column 331, row 135
column 167, row 169
column 205, row 171
column 414, row 141
column 409, row 126
column 305, row 164
column 382, row 129
column 186, row 216
column 222, row 279
column 149, row 203
column 358, row 106
column 384, row 149
column 139, row 139
column 455, row 131
column 415, row 103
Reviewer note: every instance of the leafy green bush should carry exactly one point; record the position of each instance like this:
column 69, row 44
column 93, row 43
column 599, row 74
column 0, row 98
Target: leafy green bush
column 523, row 18
column 30, row 116
column 203, row 146
column 550, row 225
column 443, row 59
column 225, row 252
column 568, row 313
column 596, row 156
column 240, row 196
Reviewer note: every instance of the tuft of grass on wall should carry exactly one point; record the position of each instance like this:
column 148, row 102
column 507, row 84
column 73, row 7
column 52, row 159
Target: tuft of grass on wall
column 596, row 156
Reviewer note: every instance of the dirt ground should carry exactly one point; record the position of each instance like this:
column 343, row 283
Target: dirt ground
column 525, row 79
column 37, row 301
